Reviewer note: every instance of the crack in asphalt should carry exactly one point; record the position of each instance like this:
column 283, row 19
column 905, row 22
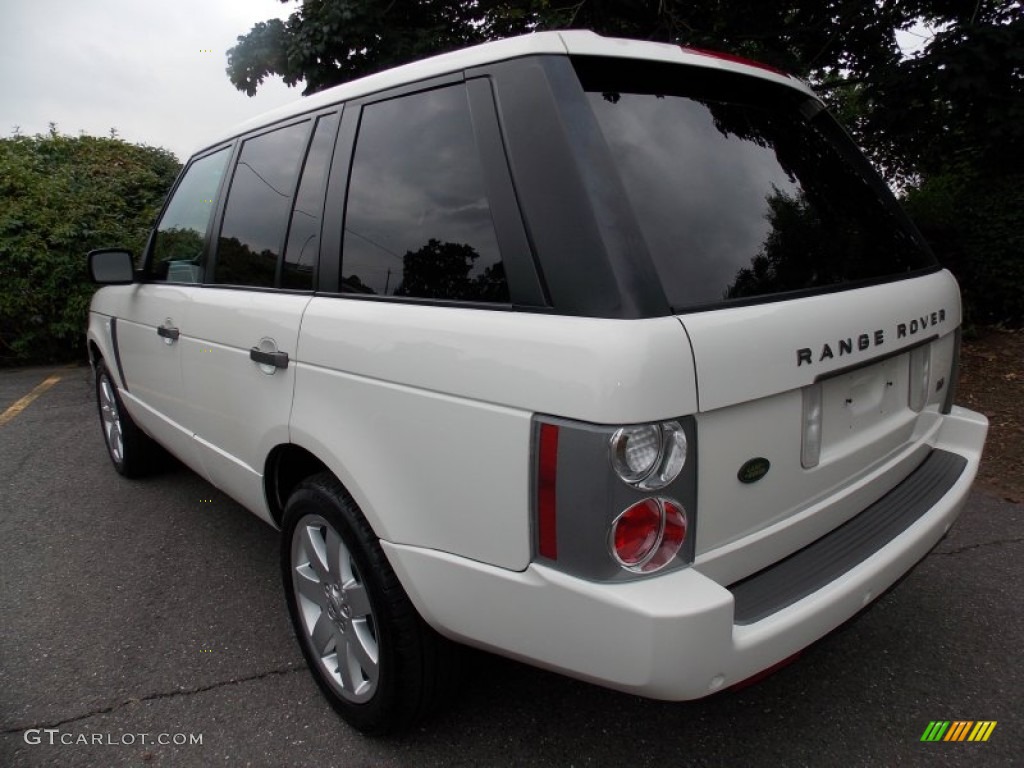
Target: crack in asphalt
column 154, row 697
column 969, row 547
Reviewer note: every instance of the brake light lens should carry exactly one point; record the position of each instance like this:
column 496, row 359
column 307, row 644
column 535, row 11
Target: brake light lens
column 735, row 59
column 648, row 535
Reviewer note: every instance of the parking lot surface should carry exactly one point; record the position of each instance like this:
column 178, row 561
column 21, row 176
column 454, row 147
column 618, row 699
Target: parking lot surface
column 139, row 612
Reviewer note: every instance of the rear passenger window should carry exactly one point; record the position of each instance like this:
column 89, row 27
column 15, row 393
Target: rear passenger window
column 259, row 202
column 418, row 222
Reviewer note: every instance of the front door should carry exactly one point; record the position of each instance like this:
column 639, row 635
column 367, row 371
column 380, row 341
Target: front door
column 151, row 321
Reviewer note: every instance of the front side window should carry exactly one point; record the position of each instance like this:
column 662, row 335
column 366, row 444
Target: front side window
column 743, row 188
column 178, row 240
column 260, row 200
column 418, row 222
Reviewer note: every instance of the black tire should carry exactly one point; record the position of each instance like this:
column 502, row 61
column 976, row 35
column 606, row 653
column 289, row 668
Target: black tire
column 353, row 603
column 132, row 452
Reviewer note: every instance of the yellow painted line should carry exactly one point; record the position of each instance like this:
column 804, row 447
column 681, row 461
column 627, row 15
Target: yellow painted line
column 26, row 401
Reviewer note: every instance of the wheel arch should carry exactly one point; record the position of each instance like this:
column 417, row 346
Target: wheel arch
column 288, row 465
column 95, row 355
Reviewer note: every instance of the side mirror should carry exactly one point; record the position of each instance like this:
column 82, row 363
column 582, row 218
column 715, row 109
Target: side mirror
column 111, row 266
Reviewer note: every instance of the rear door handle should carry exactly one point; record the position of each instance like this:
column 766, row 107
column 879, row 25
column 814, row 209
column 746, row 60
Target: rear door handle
column 276, row 359
column 169, row 332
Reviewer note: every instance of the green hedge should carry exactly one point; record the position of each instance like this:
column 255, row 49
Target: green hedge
column 60, row 197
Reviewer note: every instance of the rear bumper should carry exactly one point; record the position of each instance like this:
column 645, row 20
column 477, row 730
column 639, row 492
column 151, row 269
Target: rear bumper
column 680, row 635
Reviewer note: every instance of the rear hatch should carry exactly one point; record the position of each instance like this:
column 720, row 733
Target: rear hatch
column 822, row 330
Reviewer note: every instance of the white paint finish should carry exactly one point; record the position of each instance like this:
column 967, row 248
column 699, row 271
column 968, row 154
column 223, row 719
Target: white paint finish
column 237, row 412
column 578, row 42
column 576, row 627
column 152, row 366
column 435, row 66
column 597, row 370
column 728, row 510
column 442, row 472
column 585, row 43
column 678, row 627
column 750, row 352
column 237, row 479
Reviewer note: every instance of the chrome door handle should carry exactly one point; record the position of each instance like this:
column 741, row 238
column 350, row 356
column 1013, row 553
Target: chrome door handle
column 276, row 359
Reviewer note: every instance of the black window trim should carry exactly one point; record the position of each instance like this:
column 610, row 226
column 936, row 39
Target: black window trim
column 223, row 193
column 526, row 290
column 590, row 255
column 335, row 109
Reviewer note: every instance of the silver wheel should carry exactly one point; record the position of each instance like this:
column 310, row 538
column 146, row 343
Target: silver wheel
column 111, row 418
column 334, row 609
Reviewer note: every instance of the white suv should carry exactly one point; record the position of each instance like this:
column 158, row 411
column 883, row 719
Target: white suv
column 613, row 357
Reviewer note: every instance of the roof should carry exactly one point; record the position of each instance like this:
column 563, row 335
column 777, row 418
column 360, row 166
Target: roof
column 571, row 42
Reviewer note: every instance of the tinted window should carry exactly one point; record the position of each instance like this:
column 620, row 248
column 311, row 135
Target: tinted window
column 258, row 205
column 179, row 237
column 418, row 222
column 743, row 188
column 304, row 234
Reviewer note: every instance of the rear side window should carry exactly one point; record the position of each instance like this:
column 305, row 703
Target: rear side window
column 418, row 222
column 180, row 235
column 260, row 200
column 743, row 188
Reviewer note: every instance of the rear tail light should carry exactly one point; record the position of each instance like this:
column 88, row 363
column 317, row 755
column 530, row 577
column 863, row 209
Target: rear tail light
column 648, row 535
column 810, row 443
column 595, row 511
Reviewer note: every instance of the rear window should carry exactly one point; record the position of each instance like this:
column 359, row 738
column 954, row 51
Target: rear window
column 743, row 188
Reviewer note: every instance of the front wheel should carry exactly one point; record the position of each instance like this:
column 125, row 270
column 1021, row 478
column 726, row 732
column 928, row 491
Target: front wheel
column 375, row 659
column 131, row 450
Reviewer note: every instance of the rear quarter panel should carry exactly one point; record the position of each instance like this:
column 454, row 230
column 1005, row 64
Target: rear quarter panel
column 424, row 412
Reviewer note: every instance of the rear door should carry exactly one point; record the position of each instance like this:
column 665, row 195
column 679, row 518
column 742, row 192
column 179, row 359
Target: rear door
column 241, row 344
column 149, row 330
column 821, row 328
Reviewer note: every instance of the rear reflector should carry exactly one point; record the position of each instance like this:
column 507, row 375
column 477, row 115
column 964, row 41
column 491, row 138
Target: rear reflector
column 547, row 470
column 756, row 678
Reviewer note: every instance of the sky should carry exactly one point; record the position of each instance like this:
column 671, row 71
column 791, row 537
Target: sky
column 139, row 66
column 152, row 70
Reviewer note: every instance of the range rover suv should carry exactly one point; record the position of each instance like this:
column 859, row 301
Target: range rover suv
column 609, row 356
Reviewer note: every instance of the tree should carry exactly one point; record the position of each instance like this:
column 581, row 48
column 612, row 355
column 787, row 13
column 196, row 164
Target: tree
column 962, row 92
column 60, row 197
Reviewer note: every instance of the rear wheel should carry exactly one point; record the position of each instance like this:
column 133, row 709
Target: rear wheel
column 378, row 663
column 131, row 450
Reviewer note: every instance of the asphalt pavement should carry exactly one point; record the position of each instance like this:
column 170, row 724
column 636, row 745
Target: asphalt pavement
column 139, row 612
